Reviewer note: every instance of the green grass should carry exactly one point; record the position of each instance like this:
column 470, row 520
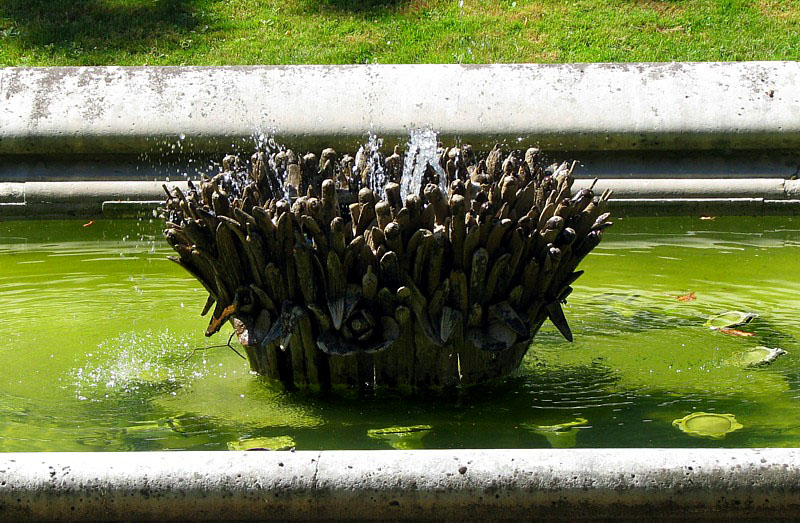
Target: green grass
column 216, row 32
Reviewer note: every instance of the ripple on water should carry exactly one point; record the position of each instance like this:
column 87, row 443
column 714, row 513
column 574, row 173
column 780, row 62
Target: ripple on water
column 573, row 388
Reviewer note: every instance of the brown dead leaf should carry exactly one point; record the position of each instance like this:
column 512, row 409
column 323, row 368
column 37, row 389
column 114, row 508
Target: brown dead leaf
column 736, row 332
column 221, row 315
column 687, row 297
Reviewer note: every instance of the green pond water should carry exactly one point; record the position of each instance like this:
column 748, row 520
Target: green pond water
column 97, row 332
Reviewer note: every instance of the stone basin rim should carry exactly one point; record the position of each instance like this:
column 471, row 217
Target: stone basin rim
column 466, row 483
column 631, row 106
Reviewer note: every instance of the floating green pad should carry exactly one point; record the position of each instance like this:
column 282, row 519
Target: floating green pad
column 756, row 357
column 626, row 305
column 561, row 435
column 273, row 443
column 402, row 438
column 707, row 425
column 730, row 319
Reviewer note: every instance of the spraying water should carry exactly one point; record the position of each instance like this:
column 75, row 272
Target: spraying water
column 422, row 150
column 369, row 157
column 267, row 144
column 377, row 176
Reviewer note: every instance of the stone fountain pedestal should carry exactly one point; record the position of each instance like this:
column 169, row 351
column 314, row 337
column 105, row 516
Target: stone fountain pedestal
column 413, row 361
column 425, row 271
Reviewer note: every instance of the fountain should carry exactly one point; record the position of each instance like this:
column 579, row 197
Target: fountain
column 443, row 282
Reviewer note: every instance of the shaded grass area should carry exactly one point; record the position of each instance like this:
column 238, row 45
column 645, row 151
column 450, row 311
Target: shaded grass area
column 212, row 32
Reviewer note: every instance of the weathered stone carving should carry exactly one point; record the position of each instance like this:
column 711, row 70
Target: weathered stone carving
column 327, row 284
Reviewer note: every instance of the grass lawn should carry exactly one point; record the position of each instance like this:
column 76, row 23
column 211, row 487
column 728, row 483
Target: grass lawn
column 215, row 32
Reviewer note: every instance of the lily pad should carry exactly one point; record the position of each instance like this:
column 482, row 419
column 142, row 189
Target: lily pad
column 560, row 435
column 730, row 319
column 402, row 438
column 273, row 443
column 756, row 357
column 708, row 424
column 626, row 305
column 152, row 426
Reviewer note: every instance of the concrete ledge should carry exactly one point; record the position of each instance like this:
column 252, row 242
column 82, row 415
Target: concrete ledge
column 433, row 484
column 631, row 197
column 666, row 106
column 680, row 188
column 638, row 127
column 704, row 207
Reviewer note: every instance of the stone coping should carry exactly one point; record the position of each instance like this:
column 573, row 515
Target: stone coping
column 637, row 126
column 622, row 106
column 631, row 197
column 424, row 484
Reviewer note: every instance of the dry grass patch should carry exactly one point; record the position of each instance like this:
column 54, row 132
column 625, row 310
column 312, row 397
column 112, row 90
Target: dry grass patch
column 780, row 9
column 538, row 11
column 661, row 6
column 671, row 30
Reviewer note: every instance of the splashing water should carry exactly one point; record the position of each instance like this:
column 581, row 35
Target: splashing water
column 266, row 143
column 422, row 150
column 134, row 363
column 377, row 177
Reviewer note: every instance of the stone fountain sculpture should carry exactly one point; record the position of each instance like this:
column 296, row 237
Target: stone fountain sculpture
column 328, row 282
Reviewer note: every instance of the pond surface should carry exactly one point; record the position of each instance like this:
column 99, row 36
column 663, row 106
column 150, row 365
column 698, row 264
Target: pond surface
column 98, row 331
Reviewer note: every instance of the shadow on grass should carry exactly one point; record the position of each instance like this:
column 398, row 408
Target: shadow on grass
column 78, row 25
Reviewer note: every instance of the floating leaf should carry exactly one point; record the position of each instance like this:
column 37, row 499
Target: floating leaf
column 730, row 319
column 402, row 438
column 707, row 425
column 561, row 435
column 273, row 443
column 757, row 357
column 626, row 305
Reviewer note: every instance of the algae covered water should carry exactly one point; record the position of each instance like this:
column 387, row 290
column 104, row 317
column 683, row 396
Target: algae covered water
column 99, row 336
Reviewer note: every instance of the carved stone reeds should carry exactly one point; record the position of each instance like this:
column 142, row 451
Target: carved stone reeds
column 326, row 284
